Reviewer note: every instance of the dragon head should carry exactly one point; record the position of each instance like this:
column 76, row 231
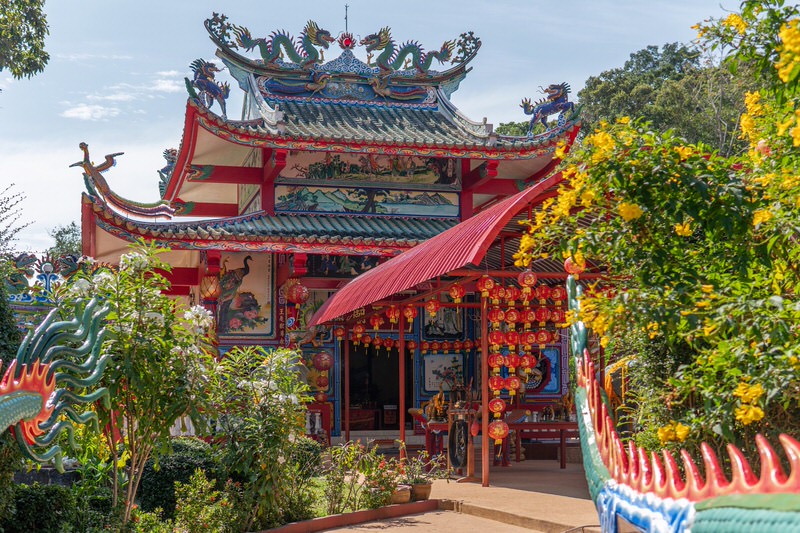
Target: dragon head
column 206, row 68
column 446, row 52
column 378, row 41
column 556, row 90
column 243, row 38
column 317, row 35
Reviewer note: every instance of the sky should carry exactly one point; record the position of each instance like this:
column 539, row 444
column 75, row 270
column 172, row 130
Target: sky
column 116, row 70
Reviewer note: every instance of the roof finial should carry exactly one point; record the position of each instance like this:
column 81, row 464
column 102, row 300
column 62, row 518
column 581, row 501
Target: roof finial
column 345, row 17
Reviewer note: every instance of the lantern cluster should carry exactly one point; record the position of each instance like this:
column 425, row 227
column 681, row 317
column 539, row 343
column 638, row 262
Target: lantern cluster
column 322, row 361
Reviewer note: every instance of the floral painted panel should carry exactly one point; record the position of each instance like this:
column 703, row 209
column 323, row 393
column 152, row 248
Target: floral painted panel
column 245, row 305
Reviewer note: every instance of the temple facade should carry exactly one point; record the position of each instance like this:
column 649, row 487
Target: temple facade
column 334, row 167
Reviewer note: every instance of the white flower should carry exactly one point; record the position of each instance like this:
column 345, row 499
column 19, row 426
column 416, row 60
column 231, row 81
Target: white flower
column 134, row 261
column 81, row 288
column 151, row 316
column 104, row 281
column 199, row 318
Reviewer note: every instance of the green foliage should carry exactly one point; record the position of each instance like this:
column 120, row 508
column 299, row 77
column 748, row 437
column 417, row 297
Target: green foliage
column 518, row 129
column 10, row 456
column 422, row 468
column 201, row 508
column 307, row 455
column 10, row 215
column 158, row 480
column 67, row 240
column 259, row 399
column 23, row 27
column 41, row 508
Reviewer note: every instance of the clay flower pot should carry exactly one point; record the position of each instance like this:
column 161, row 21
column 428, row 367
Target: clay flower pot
column 421, row 491
column 402, row 494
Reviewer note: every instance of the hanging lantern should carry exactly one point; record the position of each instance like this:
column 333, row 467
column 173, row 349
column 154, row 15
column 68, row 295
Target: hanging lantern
column 388, row 343
column 338, row 331
column 425, row 346
column 296, row 292
column 456, row 292
column 445, row 346
column 526, row 362
column 366, row 339
column 573, row 267
column 526, row 280
column 496, row 340
column 543, row 338
column 359, row 330
column 468, row 344
column 458, row 346
column 377, row 342
column 496, row 384
column 528, row 339
column 558, row 295
column 528, row 318
column 512, row 340
column 355, row 339
column 435, row 346
column 485, row 284
column 323, row 361
column 411, row 346
column 557, row 316
column 410, row 313
column 393, row 314
column 498, row 430
column 513, row 384
column 526, row 298
column 495, row 361
column 512, row 295
column 320, row 397
column 209, row 287
column 555, row 336
column 478, row 345
column 496, row 316
column 376, row 321
column 496, row 294
column 497, row 406
column 542, row 315
column 543, row 293
column 512, row 362
column 322, row 382
column 432, row 307
column 512, row 317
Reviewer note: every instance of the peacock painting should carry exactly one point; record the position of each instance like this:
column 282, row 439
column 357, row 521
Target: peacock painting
column 244, row 303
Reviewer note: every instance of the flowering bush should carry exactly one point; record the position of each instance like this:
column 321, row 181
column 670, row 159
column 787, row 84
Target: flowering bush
column 701, row 252
column 421, row 467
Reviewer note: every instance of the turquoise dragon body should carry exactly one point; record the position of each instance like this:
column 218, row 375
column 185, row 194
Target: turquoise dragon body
column 391, row 59
column 304, row 54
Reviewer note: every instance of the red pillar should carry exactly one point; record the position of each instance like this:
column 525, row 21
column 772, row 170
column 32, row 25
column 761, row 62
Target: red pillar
column 484, row 392
column 401, row 350
column 346, row 370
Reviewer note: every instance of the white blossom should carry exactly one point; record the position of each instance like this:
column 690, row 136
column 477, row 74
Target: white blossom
column 134, row 261
column 81, row 288
column 104, row 281
column 199, row 318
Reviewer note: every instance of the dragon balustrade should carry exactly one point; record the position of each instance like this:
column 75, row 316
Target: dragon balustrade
column 652, row 492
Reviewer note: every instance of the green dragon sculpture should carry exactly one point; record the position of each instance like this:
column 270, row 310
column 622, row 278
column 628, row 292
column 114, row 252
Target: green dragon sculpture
column 304, row 54
column 391, row 59
column 37, row 391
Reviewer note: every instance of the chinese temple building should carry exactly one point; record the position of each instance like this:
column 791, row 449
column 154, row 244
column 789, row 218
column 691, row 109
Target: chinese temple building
column 334, row 168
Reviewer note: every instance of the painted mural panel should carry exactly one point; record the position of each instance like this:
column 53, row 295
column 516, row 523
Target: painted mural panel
column 339, row 266
column 547, row 378
column 365, row 201
column 447, row 324
column 442, row 369
column 437, row 172
column 297, row 318
column 245, row 306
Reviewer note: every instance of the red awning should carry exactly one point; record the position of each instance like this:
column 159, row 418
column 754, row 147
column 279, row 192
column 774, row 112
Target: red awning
column 461, row 245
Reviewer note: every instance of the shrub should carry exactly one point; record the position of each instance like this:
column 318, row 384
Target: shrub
column 158, row 481
column 307, row 455
column 201, row 508
column 41, row 508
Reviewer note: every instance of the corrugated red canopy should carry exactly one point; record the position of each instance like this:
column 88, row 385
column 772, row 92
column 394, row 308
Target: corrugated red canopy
column 461, row 245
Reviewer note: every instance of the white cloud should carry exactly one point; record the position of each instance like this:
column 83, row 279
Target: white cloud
column 115, row 97
column 168, row 73
column 92, row 57
column 168, row 86
column 90, row 112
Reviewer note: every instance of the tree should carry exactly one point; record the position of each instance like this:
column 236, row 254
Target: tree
column 67, row 240
column 10, row 456
column 23, row 27
column 10, row 214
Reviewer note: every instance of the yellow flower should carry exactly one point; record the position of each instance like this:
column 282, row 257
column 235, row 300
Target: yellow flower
column 735, row 21
column 604, row 146
column 681, row 432
column 749, row 393
column 702, row 304
column 708, row 289
column 748, row 126
column 747, row 414
column 630, row 211
column 789, row 50
column 673, row 432
column 708, row 328
column 683, row 230
column 604, row 340
column 684, row 152
column 760, row 216
column 561, row 150
column 587, row 197
column 623, row 120
column 753, row 103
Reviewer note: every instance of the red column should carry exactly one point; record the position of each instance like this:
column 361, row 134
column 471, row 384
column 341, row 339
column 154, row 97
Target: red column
column 484, row 393
column 401, row 350
column 346, row 370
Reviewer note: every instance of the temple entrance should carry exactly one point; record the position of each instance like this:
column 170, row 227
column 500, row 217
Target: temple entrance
column 374, row 391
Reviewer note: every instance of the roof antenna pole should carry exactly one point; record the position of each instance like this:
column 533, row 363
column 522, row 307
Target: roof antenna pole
column 345, row 17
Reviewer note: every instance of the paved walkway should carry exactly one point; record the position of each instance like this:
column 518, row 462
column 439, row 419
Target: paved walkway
column 527, row 496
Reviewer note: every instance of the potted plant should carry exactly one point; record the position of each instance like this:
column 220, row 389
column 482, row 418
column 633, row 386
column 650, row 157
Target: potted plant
column 420, row 470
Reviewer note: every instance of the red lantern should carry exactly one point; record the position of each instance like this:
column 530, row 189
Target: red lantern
column 366, row 339
column 435, row 346
column 322, row 382
column 411, row 346
column 376, row 321
column 377, row 341
column 542, row 315
column 468, row 344
column 485, row 284
column 512, row 295
column 359, row 329
column 512, row 317
column 526, row 298
column 456, row 292
column 495, row 361
column 296, row 292
column 526, row 280
column 496, row 339
column 425, row 346
column 354, row 339
column 496, row 384
column 497, row 406
column 497, row 293
column 496, row 316
column 388, row 343
column 320, row 397
column 513, row 384
column 543, row 337
column 393, row 314
column 528, row 318
column 543, row 293
column 512, row 362
column 512, row 340
column 458, row 346
column 557, row 316
column 339, row 332
column 445, row 346
column 528, row 339
column 432, row 306
column 526, row 362
column 558, row 294
column 498, row 430
column 574, row 268
column 323, row 361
